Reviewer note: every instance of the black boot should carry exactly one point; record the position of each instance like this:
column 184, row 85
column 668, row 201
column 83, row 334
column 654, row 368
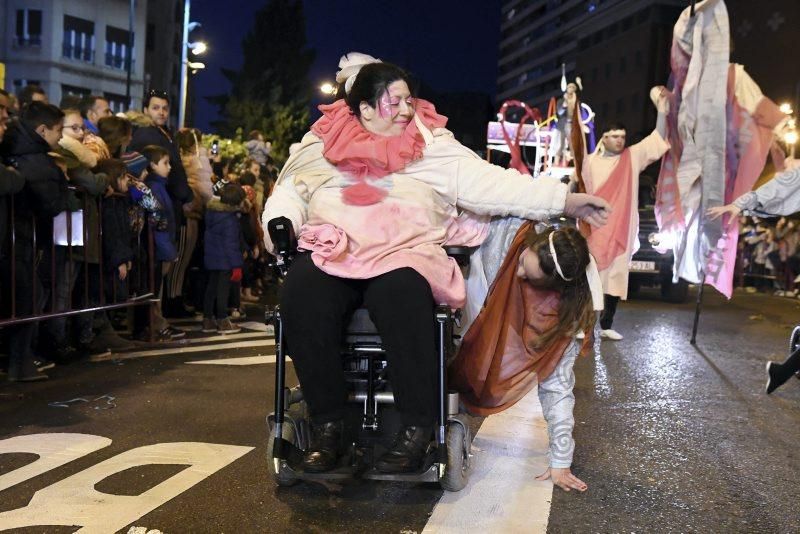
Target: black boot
column 407, row 452
column 776, row 376
column 325, row 448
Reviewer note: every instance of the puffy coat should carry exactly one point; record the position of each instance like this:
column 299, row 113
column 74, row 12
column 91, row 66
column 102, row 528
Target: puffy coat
column 223, row 237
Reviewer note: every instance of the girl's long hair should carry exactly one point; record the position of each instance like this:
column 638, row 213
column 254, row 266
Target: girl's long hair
column 575, row 311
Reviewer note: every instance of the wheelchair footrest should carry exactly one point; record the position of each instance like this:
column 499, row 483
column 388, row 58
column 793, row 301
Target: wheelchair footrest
column 431, row 474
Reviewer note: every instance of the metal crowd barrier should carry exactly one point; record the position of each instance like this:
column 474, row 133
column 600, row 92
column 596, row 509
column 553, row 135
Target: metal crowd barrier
column 149, row 298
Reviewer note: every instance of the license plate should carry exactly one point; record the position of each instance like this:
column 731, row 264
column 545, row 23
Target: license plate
column 643, row 266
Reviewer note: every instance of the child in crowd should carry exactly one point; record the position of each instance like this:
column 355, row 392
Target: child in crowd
column 166, row 251
column 117, row 236
column 253, row 237
column 222, row 257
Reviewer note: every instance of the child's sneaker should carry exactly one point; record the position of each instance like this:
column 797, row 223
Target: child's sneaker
column 226, row 327
column 209, row 326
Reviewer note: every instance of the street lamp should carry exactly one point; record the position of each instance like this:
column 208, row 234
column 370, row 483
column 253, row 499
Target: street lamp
column 327, row 88
column 786, row 108
column 197, row 49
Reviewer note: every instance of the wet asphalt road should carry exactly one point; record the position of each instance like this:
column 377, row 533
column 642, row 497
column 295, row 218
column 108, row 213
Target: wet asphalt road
column 673, row 438
column 670, row 438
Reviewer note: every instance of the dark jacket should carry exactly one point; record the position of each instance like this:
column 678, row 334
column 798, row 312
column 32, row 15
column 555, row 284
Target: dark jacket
column 177, row 185
column 46, row 192
column 223, row 237
column 11, row 182
column 117, row 234
column 166, row 249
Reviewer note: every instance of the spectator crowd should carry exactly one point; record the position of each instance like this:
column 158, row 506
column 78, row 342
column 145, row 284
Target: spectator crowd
column 769, row 255
column 124, row 217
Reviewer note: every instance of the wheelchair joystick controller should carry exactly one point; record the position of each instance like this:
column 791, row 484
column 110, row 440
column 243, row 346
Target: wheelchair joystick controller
column 281, row 232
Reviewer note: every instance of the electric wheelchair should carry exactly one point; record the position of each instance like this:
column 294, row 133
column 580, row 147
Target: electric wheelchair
column 370, row 421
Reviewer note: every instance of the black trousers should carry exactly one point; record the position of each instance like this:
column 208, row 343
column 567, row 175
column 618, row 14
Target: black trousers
column 215, row 304
column 609, row 309
column 316, row 307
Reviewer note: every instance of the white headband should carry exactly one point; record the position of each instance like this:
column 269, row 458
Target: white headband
column 592, row 276
column 349, row 66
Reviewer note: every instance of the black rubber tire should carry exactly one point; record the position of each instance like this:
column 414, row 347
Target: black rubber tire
column 282, row 477
column 794, row 339
column 456, row 474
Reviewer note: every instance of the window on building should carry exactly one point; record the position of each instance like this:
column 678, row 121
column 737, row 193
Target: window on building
column 623, row 64
column 78, row 39
column 117, row 103
column 74, row 90
column 594, row 74
column 620, row 105
column 604, row 109
column 118, row 49
column 627, row 23
column 29, row 27
column 20, row 84
column 639, row 62
column 635, row 100
column 608, row 70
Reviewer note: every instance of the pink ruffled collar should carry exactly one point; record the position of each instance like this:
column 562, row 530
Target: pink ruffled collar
column 365, row 156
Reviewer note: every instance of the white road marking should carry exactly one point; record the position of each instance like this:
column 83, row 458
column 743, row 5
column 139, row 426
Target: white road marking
column 54, row 450
column 74, row 501
column 223, row 337
column 259, row 327
column 502, row 495
column 188, row 350
column 247, row 360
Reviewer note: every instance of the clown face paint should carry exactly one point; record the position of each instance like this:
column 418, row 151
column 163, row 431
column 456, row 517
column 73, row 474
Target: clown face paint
column 395, row 109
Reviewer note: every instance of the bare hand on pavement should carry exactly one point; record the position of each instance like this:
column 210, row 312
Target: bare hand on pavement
column 563, row 478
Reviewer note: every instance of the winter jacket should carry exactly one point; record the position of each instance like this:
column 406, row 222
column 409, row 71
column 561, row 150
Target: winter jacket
column 11, row 182
column 223, row 237
column 80, row 158
column 177, row 185
column 166, row 250
column 258, row 150
column 46, row 192
column 117, row 235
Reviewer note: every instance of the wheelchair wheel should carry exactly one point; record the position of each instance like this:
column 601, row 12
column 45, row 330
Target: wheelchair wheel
column 794, row 340
column 282, row 476
column 458, row 458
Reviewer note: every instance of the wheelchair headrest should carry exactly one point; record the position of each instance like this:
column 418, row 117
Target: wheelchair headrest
column 281, row 232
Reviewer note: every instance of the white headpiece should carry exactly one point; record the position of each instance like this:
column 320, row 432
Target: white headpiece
column 349, row 66
column 592, row 276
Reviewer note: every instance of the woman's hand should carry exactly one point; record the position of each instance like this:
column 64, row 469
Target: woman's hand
column 563, row 478
column 123, row 271
column 590, row 208
column 730, row 209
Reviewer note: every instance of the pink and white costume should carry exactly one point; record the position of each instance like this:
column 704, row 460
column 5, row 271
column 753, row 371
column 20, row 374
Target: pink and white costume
column 439, row 193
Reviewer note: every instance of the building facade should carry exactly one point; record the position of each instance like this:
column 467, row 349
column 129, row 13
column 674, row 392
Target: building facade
column 73, row 47
column 163, row 50
column 619, row 48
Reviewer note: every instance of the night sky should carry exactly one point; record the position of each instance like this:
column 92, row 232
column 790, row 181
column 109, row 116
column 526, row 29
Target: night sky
column 450, row 45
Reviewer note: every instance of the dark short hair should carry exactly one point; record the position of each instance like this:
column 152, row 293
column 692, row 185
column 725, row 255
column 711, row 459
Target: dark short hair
column 154, row 153
column 247, row 178
column 113, row 168
column 87, row 103
column 113, row 130
column 37, row 113
column 254, row 134
column 232, row 194
column 70, row 102
column 154, row 93
column 615, row 125
column 3, row 92
column 25, row 96
column 370, row 84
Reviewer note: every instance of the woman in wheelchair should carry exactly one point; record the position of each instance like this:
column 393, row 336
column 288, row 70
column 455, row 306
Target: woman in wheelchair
column 375, row 190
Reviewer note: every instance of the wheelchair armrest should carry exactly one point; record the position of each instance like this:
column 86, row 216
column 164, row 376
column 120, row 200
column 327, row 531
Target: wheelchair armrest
column 460, row 253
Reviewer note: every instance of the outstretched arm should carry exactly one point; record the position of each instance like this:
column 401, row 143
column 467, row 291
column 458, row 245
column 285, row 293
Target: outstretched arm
column 779, row 196
column 558, row 401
